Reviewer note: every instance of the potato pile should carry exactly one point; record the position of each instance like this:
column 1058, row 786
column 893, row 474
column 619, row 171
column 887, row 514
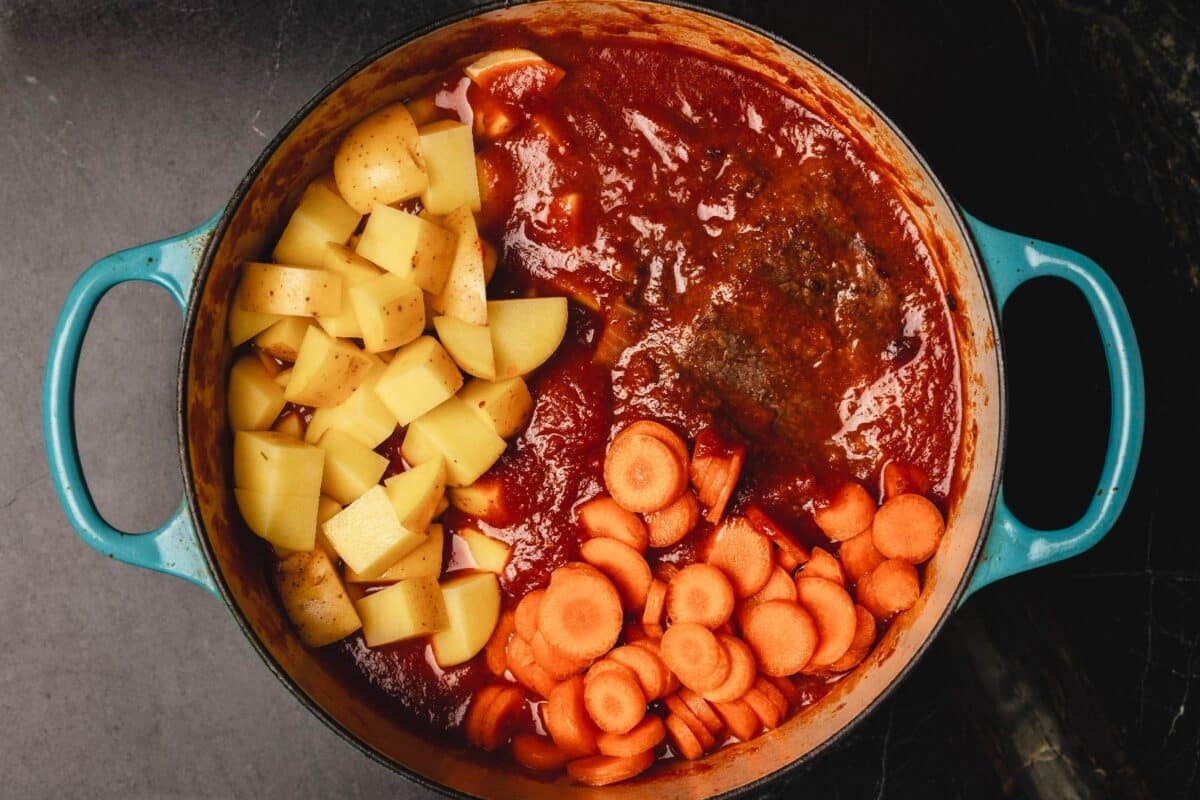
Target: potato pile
column 371, row 313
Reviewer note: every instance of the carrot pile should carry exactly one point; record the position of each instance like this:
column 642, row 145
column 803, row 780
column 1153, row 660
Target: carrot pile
column 624, row 663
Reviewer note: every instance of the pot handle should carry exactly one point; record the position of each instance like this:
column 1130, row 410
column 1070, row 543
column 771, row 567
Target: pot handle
column 173, row 547
column 1012, row 546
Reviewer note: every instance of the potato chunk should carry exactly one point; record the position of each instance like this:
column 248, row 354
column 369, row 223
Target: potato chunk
column 405, row 610
column 368, row 536
column 268, row 462
column 472, row 605
column 351, row 468
column 322, row 216
column 424, row 562
column 526, row 332
column 449, row 152
column 483, row 499
column 390, row 311
column 284, row 520
column 355, row 271
column 362, row 415
column 504, row 405
column 245, row 325
column 255, row 400
column 327, row 370
column 491, row 555
column 282, row 340
column 420, row 376
column 315, row 599
column 453, row 432
column 416, row 493
column 408, row 246
column 465, row 293
column 294, row 291
column 469, row 345
column 379, row 160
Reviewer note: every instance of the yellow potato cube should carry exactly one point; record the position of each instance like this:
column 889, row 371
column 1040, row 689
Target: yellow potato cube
column 284, row 520
column 362, row 415
column 390, row 311
column 315, row 599
column 290, row 425
column 483, row 499
column 355, row 271
column 455, row 433
column 288, row 290
column 408, row 246
column 327, row 370
column 282, row 377
column 505, row 405
column 465, row 293
column 424, row 562
column 271, row 463
column 282, row 340
column 255, row 400
column 350, row 467
column 245, row 325
column 416, row 492
column 526, row 332
column 491, row 555
column 469, row 345
column 449, row 152
column 368, row 536
column 326, row 508
column 420, row 376
column 404, row 610
column 472, row 604
column 484, row 68
column 322, row 216
column 379, row 160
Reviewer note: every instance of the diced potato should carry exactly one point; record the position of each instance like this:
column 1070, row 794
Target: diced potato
column 327, row 370
column 284, row 520
column 362, row 415
column 271, row 463
column 379, row 160
column 289, row 290
column 269, row 362
column 315, row 599
column 424, row 562
column 442, row 506
column 245, row 325
column 255, row 400
column 483, row 499
column 355, row 271
column 505, row 405
column 368, row 536
column 404, row 610
column 290, row 425
column 472, row 604
column 351, row 468
column 282, row 340
column 420, row 376
column 322, row 216
column 455, row 433
column 424, row 109
column 465, row 293
column 408, row 246
column 491, row 555
column 416, row 492
column 390, row 311
column 449, row 152
column 469, row 345
column 526, row 332
column 326, row 508
column 482, row 69
column 282, row 377
column 490, row 258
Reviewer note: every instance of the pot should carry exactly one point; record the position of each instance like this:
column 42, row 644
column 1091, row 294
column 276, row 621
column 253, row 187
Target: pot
column 206, row 543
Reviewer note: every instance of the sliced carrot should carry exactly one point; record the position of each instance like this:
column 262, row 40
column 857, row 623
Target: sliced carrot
column 908, row 527
column 832, row 610
column 614, row 700
column 901, row 478
column 656, row 599
column 493, row 651
column 669, row 525
column 782, row 635
column 480, row 701
column 695, row 655
column 634, row 632
column 864, row 637
column 601, row 516
column 780, row 586
column 766, row 711
column 890, row 588
column 665, row 570
column 707, row 474
column 773, row 694
column 733, row 471
column 788, row 689
column 525, row 619
column 715, row 469
column 653, row 646
column 623, row 565
column 538, row 753
column 501, row 717
column 700, row 593
column 651, row 672
column 559, row 665
column 849, row 512
column 739, row 718
column 743, row 554
column 742, row 671
column 680, row 710
column 683, row 739
column 823, row 565
column 661, row 432
column 703, row 711
column 859, row 556
column 604, row 770
column 789, row 546
column 567, row 719
column 642, row 474
column 646, row 735
column 786, row 560
column 580, row 614
column 607, row 664
column 525, row 668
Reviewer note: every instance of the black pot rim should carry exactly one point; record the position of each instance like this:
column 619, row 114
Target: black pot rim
column 188, row 340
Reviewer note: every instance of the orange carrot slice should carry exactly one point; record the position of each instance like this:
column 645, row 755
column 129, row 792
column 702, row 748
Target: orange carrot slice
column 823, row 565
column 683, row 739
column 559, row 665
column 493, row 651
column 635, row 632
column 700, row 593
column 779, row 586
column 646, row 735
column 623, row 565
column 742, row 671
column 782, row 635
column 614, row 700
column 524, row 667
column 665, row 570
column 703, row 711
column 567, row 720
column 480, row 702
column 908, row 527
column 859, row 556
column 661, row 432
column 656, row 600
column 525, row 619
column 743, row 554
column 890, row 588
column 903, row 479
column 695, row 655
column 501, row 717
column 788, row 689
column 680, row 711
column 766, row 711
column 580, row 614
column 864, row 637
column 651, row 672
column 643, row 474
column 669, row 525
column 601, row 516
column 849, row 512
column 786, row 560
column 716, row 467
column 538, row 753
column 739, row 718
column 832, row 610
column 789, row 546
column 773, row 694
column 604, row 770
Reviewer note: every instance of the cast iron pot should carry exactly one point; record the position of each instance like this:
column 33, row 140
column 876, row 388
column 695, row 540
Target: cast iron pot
column 206, row 542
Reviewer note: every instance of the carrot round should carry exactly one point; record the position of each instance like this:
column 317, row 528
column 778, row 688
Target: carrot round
column 785, row 559
column 653, row 646
column 601, row 516
column 679, row 709
column 538, row 753
column 623, row 565
column 766, row 711
column 739, row 718
column 665, row 570
column 669, row 525
column 651, row 672
column 603, row 770
column 703, row 711
column 823, row 565
column 604, row 665
column 643, row 474
column 742, row 671
column 493, row 651
column 525, row 668
column 773, row 694
column 661, row 432
column 646, row 735
column 832, row 610
column 614, row 700
column 743, row 554
column 559, row 665
column 890, row 588
column 683, row 739
column 501, row 717
column 525, row 618
column 656, row 600
column 792, row 551
column 567, row 719
column 473, row 722
column 779, row 586
column 864, row 637
column 695, row 655
column 908, row 527
column 788, row 689
column 635, row 632
column 901, row 478
column 700, row 593
column 859, row 556
column 580, row 614
column 849, row 512
column 782, row 635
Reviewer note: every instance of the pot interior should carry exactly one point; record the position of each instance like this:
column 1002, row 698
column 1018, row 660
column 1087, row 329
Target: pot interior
column 304, row 150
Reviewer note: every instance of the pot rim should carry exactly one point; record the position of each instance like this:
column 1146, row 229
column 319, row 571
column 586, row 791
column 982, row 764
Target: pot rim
column 252, row 174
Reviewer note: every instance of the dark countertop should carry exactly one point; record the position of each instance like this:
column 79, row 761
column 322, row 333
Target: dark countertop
column 1076, row 122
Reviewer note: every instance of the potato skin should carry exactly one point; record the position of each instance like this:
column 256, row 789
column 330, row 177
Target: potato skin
column 379, row 160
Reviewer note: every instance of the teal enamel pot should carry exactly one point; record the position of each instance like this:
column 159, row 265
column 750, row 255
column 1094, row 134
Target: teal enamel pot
column 205, row 542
